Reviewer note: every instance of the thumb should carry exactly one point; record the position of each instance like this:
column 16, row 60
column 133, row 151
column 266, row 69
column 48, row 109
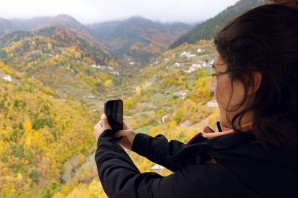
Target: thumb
column 104, row 121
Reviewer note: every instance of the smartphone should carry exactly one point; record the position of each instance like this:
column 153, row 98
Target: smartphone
column 114, row 111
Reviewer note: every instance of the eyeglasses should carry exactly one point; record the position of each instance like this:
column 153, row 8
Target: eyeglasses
column 216, row 75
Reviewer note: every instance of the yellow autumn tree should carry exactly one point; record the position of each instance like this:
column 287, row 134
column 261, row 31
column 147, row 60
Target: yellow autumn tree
column 138, row 91
column 108, row 83
column 33, row 45
column 28, row 131
column 77, row 55
column 112, row 62
column 50, row 46
column 27, row 126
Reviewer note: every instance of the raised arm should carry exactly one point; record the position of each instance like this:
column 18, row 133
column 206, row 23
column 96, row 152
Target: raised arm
column 120, row 178
column 158, row 150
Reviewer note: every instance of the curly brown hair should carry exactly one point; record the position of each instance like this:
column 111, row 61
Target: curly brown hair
column 265, row 39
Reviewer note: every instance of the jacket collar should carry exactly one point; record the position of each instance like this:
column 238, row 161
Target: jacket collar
column 237, row 144
column 192, row 151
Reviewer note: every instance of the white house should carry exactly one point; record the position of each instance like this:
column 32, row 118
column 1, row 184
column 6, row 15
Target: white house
column 182, row 93
column 7, row 78
column 177, row 64
column 187, row 54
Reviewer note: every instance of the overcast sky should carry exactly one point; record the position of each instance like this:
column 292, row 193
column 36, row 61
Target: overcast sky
column 90, row 11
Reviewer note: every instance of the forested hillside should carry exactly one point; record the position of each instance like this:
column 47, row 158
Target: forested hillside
column 208, row 29
column 38, row 134
column 169, row 97
column 60, row 59
column 47, row 143
column 6, row 26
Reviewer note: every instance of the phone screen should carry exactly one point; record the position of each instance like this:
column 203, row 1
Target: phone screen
column 114, row 111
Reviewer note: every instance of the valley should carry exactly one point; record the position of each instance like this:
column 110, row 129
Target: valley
column 55, row 75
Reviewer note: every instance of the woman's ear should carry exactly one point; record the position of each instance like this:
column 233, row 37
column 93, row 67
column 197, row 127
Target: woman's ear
column 257, row 80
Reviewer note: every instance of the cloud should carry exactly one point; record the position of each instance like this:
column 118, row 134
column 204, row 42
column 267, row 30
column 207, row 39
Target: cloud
column 89, row 11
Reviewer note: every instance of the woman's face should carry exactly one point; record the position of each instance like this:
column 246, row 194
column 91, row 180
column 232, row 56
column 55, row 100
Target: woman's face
column 229, row 94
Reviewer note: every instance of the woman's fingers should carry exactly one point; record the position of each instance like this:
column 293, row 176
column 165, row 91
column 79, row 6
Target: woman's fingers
column 213, row 135
column 104, row 121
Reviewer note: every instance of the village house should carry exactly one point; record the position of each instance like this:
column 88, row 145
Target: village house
column 103, row 67
column 182, row 93
column 6, row 77
column 177, row 64
column 187, row 54
column 193, row 68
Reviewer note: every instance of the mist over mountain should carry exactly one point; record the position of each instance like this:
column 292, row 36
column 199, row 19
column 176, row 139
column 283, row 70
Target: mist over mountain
column 137, row 38
column 208, row 29
column 6, row 27
column 64, row 21
column 30, row 24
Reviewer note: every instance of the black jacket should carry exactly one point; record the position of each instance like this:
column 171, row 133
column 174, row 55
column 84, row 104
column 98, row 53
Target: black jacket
column 242, row 169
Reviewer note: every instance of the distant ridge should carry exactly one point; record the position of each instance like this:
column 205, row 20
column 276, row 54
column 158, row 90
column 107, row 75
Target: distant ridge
column 6, row 26
column 58, row 58
column 62, row 20
column 208, row 29
column 137, row 38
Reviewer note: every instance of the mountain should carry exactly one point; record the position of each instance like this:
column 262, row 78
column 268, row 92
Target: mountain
column 64, row 21
column 60, row 59
column 208, row 29
column 6, row 27
column 136, row 40
column 56, row 36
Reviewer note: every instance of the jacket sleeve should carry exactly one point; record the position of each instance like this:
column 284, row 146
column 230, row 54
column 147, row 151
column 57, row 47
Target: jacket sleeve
column 117, row 173
column 120, row 178
column 158, row 150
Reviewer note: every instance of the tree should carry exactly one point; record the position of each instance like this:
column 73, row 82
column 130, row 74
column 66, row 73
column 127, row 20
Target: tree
column 27, row 126
column 108, row 83
column 50, row 46
column 138, row 91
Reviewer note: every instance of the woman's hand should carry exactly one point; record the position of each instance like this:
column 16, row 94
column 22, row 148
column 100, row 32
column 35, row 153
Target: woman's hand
column 127, row 136
column 209, row 134
column 217, row 134
column 101, row 126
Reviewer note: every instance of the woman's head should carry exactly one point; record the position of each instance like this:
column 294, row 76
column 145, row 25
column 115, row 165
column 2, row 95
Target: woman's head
column 259, row 53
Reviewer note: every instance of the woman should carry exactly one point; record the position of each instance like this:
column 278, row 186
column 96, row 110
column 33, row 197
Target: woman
column 255, row 68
